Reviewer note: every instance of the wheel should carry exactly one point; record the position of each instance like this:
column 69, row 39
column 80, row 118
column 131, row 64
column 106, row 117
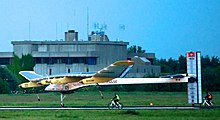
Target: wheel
column 212, row 103
column 62, row 105
column 110, row 106
column 120, row 106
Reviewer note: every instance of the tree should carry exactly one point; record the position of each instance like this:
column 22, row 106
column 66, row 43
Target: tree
column 210, row 72
column 173, row 65
column 15, row 68
column 205, row 61
column 136, row 49
column 7, row 81
column 211, row 78
column 4, row 86
column 139, row 50
column 26, row 62
column 214, row 61
column 165, row 68
column 181, row 64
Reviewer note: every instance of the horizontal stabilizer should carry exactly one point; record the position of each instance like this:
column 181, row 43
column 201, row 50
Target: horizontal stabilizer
column 31, row 75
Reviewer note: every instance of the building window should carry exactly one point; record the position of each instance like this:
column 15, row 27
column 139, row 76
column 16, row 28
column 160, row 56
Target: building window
column 5, row 61
column 50, row 72
column 68, row 70
column 91, row 61
column 50, row 61
column 66, row 60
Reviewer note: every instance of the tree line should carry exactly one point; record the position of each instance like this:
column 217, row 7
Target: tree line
column 210, row 70
column 210, row 76
column 9, row 75
column 10, row 78
column 210, row 73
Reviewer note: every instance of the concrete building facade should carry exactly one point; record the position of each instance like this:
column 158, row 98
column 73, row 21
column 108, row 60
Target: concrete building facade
column 54, row 57
column 71, row 55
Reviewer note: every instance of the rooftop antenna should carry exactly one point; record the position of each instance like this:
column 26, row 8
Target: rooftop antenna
column 104, row 27
column 74, row 18
column 121, row 28
column 29, row 30
column 87, row 21
column 101, row 27
column 61, row 29
column 67, row 26
column 96, row 26
column 56, row 30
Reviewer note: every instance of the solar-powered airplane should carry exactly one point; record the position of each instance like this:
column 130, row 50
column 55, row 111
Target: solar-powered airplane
column 68, row 82
column 111, row 75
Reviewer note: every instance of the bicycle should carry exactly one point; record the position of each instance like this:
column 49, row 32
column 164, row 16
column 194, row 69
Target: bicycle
column 112, row 105
column 205, row 102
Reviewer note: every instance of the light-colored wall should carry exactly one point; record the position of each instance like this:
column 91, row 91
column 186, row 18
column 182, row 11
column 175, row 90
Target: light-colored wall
column 106, row 53
column 22, row 49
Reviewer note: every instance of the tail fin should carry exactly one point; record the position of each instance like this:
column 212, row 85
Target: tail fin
column 31, row 75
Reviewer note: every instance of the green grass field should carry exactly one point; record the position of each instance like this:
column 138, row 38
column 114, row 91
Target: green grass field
column 94, row 99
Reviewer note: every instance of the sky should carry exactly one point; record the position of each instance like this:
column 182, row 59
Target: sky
column 167, row 28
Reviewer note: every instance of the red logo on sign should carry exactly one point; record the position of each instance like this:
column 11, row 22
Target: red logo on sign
column 191, row 54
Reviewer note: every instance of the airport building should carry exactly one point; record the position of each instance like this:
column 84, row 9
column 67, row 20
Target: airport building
column 72, row 55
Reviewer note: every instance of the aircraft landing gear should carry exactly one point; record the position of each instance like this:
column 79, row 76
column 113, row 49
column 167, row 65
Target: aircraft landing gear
column 100, row 91
column 101, row 94
column 38, row 98
column 61, row 104
column 62, row 97
column 35, row 90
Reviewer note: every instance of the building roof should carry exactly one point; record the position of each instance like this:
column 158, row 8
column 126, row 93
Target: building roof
column 68, row 42
column 6, row 54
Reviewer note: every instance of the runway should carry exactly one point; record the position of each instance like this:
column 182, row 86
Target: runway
column 106, row 108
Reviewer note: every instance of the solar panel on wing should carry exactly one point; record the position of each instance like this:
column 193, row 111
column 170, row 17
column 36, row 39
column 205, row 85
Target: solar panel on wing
column 30, row 75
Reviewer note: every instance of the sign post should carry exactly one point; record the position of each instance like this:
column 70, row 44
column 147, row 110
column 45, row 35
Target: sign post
column 194, row 82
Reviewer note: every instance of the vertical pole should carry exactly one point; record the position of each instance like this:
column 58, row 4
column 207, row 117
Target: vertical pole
column 29, row 30
column 199, row 77
column 87, row 22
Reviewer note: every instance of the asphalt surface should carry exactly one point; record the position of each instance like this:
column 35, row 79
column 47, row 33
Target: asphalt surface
column 106, row 108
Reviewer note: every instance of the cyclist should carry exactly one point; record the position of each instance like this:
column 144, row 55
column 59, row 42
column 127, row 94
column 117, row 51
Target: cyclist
column 208, row 97
column 116, row 99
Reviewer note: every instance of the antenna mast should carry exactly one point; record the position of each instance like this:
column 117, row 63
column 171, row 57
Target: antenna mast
column 87, row 21
column 29, row 30
column 56, row 30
